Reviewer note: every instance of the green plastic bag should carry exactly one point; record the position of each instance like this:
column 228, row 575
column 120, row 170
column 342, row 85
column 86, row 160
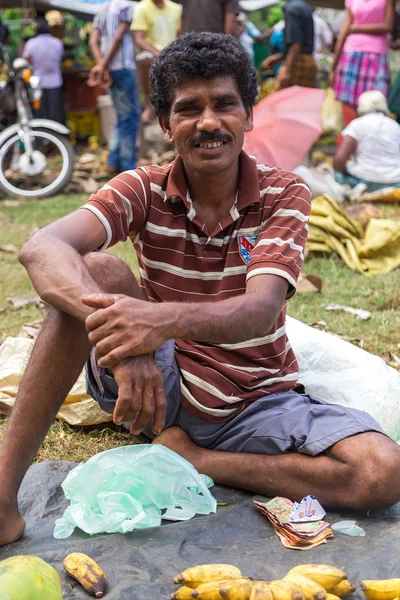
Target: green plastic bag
column 129, row 488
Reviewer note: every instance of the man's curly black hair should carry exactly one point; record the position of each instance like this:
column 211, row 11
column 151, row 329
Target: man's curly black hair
column 195, row 55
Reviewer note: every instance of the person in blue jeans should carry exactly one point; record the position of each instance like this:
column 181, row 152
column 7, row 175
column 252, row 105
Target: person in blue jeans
column 112, row 48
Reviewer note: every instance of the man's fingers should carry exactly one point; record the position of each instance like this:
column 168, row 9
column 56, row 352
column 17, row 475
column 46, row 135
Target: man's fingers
column 129, row 403
column 146, row 413
column 160, row 409
column 98, row 300
column 112, row 358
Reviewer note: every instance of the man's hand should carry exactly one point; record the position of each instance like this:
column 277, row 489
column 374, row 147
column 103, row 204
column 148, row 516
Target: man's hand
column 284, row 76
column 141, row 396
column 122, row 327
column 99, row 75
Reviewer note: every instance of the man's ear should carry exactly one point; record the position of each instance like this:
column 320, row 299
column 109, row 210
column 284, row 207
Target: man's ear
column 164, row 124
column 249, row 125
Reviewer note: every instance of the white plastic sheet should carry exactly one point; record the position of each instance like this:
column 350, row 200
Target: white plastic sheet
column 339, row 372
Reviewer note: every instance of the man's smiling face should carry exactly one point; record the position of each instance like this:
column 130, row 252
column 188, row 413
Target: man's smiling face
column 207, row 123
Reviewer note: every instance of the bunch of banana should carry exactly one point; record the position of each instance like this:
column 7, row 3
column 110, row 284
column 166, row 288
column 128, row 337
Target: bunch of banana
column 303, row 582
column 85, row 570
column 384, row 589
column 212, row 582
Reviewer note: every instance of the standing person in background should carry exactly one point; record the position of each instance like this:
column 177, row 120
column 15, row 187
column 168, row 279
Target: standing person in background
column 156, row 24
column 44, row 53
column 323, row 38
column 216, row 16
column 299, row 66
column 111, row 44
column 360, row 60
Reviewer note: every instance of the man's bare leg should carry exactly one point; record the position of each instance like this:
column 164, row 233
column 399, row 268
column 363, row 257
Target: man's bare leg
column 360, row 472
column 57, row 359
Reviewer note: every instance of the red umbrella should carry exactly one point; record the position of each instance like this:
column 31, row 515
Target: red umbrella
column 286, row 125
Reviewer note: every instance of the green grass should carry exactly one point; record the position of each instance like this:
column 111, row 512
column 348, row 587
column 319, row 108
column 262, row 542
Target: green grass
column 380, row 295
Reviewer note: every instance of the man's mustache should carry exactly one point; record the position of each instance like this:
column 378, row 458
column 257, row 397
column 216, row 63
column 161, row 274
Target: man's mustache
column 209, row 137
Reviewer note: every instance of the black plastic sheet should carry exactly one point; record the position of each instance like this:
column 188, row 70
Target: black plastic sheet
column 141, row 565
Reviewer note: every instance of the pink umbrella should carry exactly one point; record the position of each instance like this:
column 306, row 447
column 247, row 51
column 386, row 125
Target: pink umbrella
column 286, row 125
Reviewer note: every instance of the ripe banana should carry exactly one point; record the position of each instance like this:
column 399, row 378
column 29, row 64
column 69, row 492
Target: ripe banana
column 310, row 589
column 184, row 593
column 330, row 596
column 195, row 576
column 385, row 589
column 325, row 575
column 231, row 589
column 285, row 590
column 342, row 589
column 85, row 570
column 261, row 591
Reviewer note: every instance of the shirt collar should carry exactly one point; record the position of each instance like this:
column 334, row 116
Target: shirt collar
column 249, row 186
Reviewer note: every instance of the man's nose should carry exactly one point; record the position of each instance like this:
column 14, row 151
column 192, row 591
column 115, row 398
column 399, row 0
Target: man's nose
column 208, row 121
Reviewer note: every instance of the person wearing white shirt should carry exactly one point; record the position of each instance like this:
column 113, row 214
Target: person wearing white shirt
column 370, row 151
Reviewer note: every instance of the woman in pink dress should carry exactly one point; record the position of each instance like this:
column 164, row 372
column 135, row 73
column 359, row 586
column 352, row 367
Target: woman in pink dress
column 360, row 61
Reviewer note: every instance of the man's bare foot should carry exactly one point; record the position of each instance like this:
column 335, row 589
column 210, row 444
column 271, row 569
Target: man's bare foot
column 178, row 440
column 12, row 525
column 148, row 115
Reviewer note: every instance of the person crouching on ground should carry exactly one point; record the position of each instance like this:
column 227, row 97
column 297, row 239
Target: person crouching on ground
column 197, row 353
column 370, row 150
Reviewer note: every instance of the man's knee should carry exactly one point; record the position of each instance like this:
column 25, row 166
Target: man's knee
column 110, row 273
column 374, row 482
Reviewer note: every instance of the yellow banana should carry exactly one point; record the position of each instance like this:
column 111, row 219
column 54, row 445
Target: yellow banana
column 342, row 589
column 325, row 575
column 195, row 576
column 330, row 596
column 285, row 590
column 184, row 593
column 310, row 589
column 85, row 570
column 385, row 589
column 261, row 591
column 231, row 589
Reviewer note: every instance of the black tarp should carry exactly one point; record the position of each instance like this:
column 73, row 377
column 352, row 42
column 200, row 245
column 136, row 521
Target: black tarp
column 140, row 565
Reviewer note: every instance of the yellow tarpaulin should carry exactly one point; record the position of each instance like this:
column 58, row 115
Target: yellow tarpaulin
column 78, row 408
column 373, row 252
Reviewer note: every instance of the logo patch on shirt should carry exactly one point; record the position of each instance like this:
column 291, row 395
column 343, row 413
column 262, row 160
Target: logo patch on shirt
column 246, row 245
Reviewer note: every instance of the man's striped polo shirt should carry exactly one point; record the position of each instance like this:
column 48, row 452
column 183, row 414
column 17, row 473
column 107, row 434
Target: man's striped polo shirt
column 264, row 232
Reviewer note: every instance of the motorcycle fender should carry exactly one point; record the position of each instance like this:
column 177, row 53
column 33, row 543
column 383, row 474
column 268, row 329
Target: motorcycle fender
column 51, row 125
column 9, row 132
column 34, row 123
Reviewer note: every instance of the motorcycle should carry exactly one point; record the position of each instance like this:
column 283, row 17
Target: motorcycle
column 36, row 156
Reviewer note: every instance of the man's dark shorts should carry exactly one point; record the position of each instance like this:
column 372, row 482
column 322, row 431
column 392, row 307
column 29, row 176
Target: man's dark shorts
column 275, row 424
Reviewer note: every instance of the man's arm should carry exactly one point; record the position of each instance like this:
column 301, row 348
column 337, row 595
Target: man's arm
column 143, row 44
column 123, row 28
column 99, row 74
column 123, row 326
column 344, row 153
column 53, row 258
column 94, row 45
column 231, row 10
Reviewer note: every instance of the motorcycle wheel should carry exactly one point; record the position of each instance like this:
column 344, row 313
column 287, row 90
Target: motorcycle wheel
column 60, row 142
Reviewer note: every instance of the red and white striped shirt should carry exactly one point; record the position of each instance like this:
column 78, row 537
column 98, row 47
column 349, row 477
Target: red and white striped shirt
column 264, row 232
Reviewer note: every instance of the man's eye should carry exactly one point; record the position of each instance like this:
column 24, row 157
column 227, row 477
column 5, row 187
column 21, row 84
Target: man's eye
column 188, row 109
column 225, row 104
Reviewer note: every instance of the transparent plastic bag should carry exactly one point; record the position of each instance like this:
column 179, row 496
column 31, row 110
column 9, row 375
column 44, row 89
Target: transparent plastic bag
column 128, row 488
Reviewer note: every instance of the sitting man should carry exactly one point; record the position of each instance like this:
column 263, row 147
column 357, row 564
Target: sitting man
column 198, row 352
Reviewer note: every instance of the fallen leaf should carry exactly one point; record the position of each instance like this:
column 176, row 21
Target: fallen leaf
column 20, row 301
column 358, row 312
column 9, row 248
column 90, row 186
column 87, row 158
